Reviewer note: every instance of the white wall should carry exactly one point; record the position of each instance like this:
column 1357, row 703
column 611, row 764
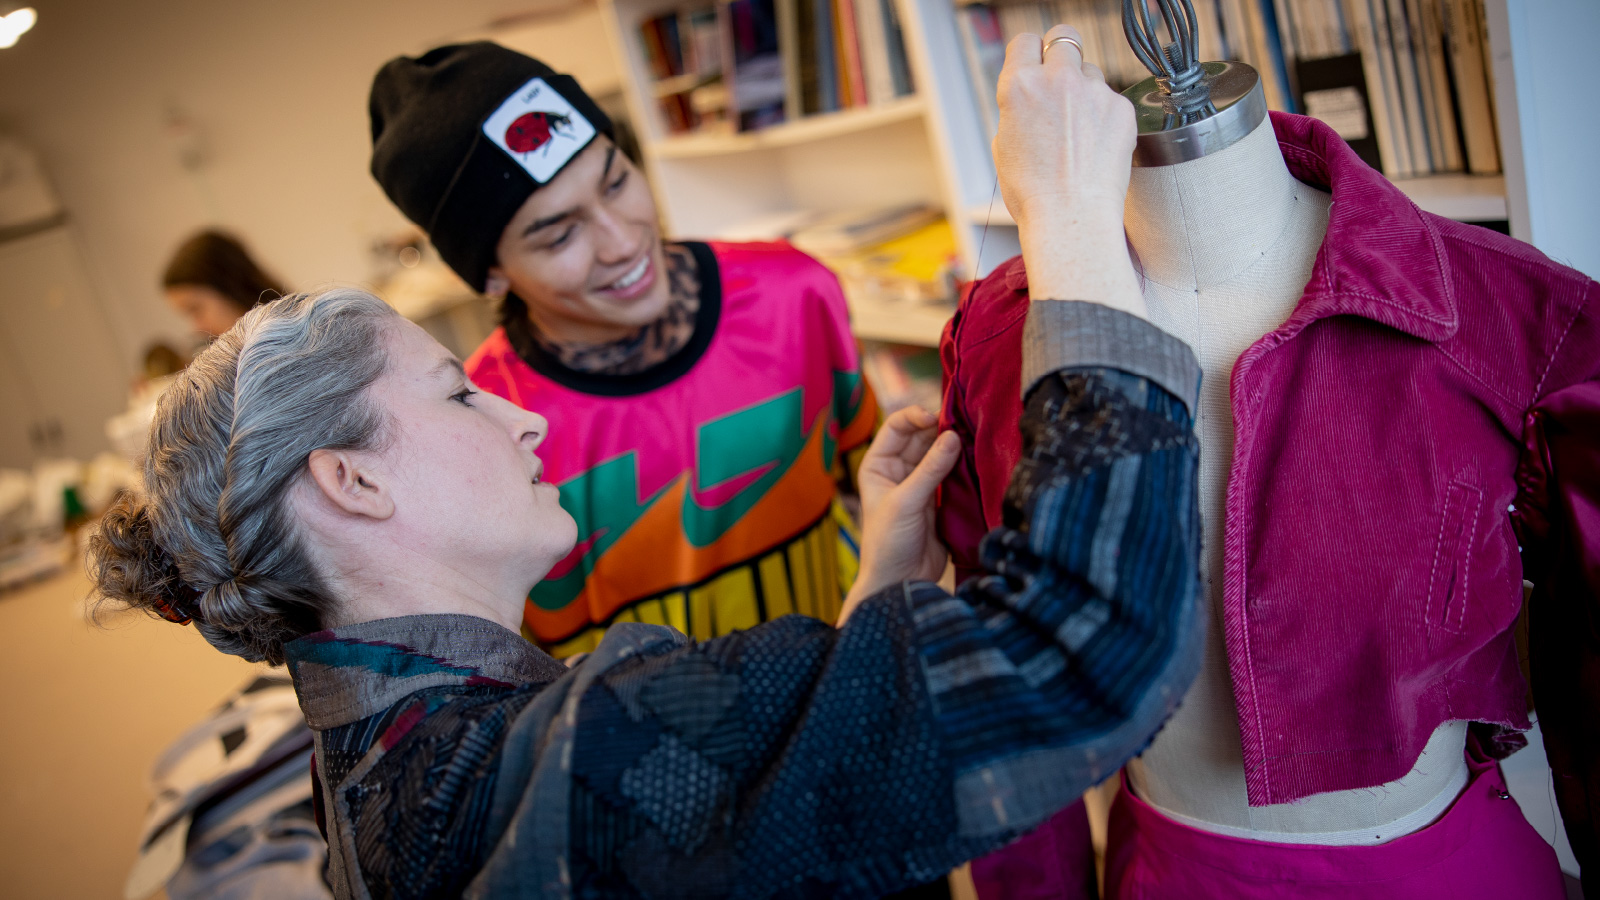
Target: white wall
column 277, row 94
column 1551, row 134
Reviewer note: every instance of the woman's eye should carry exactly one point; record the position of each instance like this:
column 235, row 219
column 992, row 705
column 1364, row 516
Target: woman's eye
column 617, row 185
column 462, row 397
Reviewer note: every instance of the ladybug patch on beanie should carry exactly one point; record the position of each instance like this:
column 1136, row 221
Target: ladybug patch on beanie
column 538, row 128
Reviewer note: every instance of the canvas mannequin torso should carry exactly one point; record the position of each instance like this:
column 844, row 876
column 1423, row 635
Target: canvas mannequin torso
column 1225, row 245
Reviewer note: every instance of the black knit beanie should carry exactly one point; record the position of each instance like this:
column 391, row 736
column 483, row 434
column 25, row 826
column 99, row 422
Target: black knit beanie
column 463, row 134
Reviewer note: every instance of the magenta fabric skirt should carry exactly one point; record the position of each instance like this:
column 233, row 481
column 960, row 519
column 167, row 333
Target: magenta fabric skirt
column 1481, row 847
column 1053, row 862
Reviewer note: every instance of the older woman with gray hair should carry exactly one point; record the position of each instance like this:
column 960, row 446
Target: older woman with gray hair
column 325, row 487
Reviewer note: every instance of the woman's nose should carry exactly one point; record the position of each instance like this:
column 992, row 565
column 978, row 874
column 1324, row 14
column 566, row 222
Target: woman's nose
column 525, row 426
column 533, row 429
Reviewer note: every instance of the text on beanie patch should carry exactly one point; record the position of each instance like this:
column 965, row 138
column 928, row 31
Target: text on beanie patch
column 538, row 128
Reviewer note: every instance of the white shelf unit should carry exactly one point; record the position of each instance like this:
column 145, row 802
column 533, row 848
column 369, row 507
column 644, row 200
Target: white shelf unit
column 811, row 128
column 919, row 326
column 721, row 184
column 1469, row 198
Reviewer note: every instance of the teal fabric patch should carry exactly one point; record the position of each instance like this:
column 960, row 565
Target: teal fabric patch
column 393, row 660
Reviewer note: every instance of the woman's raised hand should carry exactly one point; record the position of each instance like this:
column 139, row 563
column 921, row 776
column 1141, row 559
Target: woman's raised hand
column 1064, row 152
column 899, row 475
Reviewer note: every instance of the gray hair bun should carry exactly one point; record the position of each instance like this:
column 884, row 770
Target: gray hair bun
column 214, row 537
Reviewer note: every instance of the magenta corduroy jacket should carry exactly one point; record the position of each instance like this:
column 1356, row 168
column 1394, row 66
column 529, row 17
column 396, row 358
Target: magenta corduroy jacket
column 1436, row 390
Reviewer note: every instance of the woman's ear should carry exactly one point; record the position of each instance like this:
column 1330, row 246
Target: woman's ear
column 497, row 285
column 346, row 479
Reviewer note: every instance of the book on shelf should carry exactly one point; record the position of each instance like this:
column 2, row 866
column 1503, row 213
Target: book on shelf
column 892, row 255
column 853, row 230
column 1335, row 89
column 1405, row 66
column 747, row 64
column 789, row 48
column 986, row 27
column 683, row 50
column 1407, row 82
column 895, row 41
column 983, row 42
column 1468, row 50
column 850, row 67
column 1377, row 73
column 757, row 88
column 1244, row 37
column 1422, row 61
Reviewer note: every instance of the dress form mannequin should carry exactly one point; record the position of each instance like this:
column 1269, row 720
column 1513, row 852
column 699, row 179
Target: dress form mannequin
column 1224, row 242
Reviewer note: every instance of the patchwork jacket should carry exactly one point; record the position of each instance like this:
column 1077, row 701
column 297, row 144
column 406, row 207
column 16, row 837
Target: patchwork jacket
column 795, row 759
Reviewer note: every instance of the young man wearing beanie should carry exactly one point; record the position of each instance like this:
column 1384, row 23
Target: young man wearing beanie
column 708, row 396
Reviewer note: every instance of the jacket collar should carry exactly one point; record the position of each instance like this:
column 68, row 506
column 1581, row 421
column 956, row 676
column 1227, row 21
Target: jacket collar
column 1382, row 259
column 349, row 673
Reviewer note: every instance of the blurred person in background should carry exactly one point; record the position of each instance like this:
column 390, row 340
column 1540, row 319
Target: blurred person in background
column 161, row 360
column 212, row 280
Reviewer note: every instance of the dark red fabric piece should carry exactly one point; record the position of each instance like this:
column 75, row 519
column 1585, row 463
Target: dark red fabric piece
column 1053, row 862
column 1558, row 522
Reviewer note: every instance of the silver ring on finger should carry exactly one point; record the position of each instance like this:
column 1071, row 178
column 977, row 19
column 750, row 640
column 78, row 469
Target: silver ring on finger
column 1062, row 39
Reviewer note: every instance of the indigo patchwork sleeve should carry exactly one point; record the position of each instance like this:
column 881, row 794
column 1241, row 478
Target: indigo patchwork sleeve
column 796, row 760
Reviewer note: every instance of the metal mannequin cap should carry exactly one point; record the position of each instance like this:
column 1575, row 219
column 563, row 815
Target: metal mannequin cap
column 1186, row 109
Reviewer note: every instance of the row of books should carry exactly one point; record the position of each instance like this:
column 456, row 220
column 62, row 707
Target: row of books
column 684, row 51
column 987, row 27
column 1421, row 68
column 747, row 64
column 1405, row 82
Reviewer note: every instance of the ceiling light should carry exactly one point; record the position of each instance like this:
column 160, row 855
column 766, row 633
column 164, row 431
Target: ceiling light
column 15, row 25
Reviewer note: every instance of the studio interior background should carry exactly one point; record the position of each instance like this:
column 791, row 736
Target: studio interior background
column 127, row 127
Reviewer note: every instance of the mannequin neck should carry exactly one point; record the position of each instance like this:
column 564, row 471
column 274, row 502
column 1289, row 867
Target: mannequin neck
column 1198, row 224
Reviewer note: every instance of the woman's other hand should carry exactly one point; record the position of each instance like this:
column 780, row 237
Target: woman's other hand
column 899, row 476
column 1064, row 153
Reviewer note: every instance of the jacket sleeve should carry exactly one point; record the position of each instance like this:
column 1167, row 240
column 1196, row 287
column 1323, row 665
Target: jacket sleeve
column 802, row 760
column 960, row 513
column 1558, row 524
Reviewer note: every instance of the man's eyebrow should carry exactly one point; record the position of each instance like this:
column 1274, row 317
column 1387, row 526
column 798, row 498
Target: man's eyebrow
column 547, row 221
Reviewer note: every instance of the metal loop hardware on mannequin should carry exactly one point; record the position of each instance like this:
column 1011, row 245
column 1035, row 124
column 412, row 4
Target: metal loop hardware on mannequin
column 1188, row 108
column 1178, row 62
